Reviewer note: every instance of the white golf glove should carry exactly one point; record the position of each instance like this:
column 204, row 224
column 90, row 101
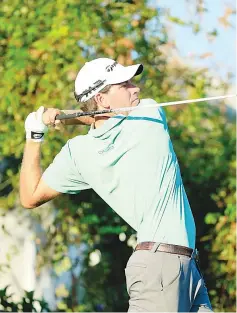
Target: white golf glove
column 34, row 126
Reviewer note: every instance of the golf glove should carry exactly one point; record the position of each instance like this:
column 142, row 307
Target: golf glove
column 34, row 126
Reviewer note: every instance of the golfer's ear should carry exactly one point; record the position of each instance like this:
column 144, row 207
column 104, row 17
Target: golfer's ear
column 101, row 100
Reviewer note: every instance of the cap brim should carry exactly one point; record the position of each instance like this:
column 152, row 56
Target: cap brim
column 126, row 73
column 139, row 69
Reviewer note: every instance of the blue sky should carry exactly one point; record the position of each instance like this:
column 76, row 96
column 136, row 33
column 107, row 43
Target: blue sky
column 223, row 47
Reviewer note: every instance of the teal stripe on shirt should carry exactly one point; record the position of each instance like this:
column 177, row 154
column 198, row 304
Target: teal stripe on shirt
column 130, row 162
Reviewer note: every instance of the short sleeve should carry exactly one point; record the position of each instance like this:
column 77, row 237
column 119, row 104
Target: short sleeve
column 62, row 175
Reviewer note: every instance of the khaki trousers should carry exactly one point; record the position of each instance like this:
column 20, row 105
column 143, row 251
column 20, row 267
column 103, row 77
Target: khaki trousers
column 164, row 282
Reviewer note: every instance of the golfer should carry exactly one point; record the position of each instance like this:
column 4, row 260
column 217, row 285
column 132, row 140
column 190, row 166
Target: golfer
column 129, row 160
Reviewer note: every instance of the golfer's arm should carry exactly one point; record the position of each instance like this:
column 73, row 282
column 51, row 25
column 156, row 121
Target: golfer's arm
column 33, row 190
column 82, row 120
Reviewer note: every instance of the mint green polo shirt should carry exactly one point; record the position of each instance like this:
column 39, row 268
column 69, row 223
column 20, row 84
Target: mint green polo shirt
column 130, row 163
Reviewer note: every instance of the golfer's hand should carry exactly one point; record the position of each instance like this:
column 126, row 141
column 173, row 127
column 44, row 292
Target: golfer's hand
column 34, row 126
column 49, row 116
column 51, row 113
column 82, row 120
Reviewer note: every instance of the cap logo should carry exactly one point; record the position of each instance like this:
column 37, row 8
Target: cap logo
column 111, row 67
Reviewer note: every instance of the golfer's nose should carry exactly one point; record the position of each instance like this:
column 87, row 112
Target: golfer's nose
column 134, row 88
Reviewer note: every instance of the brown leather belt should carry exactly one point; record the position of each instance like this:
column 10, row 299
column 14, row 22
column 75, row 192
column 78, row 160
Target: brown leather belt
column 168, row 248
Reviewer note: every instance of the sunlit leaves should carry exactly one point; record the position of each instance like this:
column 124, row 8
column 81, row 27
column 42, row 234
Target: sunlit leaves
column 42, row 46
column 177, row 20
column 63, row 266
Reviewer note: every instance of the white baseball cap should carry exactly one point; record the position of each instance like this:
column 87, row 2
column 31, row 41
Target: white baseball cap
column 97, row 74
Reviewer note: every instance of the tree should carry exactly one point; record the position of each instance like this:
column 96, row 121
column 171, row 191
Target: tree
column 43, row 44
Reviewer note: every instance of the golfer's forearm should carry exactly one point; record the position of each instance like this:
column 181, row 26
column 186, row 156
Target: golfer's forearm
column 83, row 120
column 30, row 172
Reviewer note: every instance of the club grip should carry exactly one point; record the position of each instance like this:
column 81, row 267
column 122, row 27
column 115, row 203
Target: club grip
column 65, row 116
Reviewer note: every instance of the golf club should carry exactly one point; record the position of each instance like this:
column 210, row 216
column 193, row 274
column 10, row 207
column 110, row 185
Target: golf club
column 118, row 110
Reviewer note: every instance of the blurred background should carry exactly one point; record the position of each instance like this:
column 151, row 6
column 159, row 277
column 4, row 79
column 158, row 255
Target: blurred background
column 70, row 254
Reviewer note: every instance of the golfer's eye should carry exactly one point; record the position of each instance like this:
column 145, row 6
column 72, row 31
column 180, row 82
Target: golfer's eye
column 124, row 85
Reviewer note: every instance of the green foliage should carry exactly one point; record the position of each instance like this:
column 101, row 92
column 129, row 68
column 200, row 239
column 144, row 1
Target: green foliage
column 177, row 20
column 42, row 46
column 28, row 303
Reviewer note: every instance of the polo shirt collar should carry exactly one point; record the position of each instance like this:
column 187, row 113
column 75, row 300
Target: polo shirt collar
column 108, row 125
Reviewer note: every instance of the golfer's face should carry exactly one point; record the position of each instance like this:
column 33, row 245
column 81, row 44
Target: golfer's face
column 123, row 95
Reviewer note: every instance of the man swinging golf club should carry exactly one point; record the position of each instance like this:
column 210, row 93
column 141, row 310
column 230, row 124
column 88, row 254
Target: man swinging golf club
column 128, row 159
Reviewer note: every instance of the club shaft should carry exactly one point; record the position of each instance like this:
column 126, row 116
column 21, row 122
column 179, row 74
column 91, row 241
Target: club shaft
column 126, row 109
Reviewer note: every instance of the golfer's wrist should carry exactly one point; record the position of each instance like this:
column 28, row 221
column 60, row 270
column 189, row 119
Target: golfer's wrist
column 35, row 136
column 32, row 142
